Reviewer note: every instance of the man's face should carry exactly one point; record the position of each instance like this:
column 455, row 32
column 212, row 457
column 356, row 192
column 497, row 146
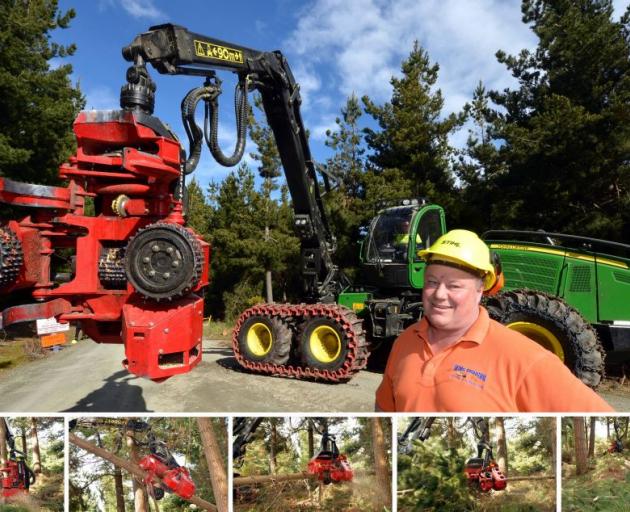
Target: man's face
column 451, row 297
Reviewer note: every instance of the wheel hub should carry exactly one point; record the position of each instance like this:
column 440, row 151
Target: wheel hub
column 163, row 261
column 259, row 339
column 540, row 335
column 325, row 344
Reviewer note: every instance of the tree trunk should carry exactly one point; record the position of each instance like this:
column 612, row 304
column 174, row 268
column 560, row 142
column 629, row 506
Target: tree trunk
column 580, row 446
column 554, row 447
column 23, row 439
column 591, row 438
column 120, row 490
column 380, row 465
column 268, row 282
column 273, row 463
column 502, row 454
column 139, row 492
column 451, row 433
column 3, row 442
column 37, row 457
column 131, row 467
column 311, row 441
column 216, row 466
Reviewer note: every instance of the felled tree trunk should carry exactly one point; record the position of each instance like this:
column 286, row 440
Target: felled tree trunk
column 129, row 466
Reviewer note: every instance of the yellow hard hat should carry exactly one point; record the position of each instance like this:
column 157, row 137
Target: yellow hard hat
column 463, row 249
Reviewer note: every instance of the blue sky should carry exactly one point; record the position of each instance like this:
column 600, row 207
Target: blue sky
column 335, row 47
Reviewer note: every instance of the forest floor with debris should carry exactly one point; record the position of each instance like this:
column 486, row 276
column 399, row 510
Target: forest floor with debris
column 304, row 496
column 605, row 487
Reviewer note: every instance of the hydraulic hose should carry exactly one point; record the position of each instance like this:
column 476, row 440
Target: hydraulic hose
column 194, row 132
column 212, row 122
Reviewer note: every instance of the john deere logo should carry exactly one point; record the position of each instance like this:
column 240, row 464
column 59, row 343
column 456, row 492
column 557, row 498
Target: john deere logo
column 451, row 242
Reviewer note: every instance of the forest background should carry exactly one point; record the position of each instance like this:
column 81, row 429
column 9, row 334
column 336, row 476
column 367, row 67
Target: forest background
column 552, row 153
column 283, row 447
column 595, row 464
column 431, row 474
column 41, row 441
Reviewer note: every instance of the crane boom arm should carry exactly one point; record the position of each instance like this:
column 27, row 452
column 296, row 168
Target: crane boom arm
column 174, row 50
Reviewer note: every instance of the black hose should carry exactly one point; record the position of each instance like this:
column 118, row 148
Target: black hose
column 212, row 121
column 194, row 132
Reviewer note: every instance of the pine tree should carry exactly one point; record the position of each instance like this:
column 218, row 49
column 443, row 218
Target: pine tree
column 478, row 165
column 413, row 139
column 37, row 103
column 198, row 211
column 564, row 132
column 346, row 201
column 347, row 161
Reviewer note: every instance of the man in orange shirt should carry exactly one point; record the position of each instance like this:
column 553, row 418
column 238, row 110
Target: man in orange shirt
column 458, row 359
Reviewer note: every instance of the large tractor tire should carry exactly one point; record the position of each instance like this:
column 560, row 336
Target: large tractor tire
column 555, row 325
column 323, row 344
column 265, row 340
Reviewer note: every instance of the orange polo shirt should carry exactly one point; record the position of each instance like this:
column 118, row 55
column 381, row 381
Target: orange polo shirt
column 490, row 369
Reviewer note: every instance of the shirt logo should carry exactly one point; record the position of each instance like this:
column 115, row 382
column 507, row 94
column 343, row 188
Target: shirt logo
column 469, row 376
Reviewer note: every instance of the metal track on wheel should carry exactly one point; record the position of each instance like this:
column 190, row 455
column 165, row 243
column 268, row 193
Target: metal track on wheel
column 352, row 326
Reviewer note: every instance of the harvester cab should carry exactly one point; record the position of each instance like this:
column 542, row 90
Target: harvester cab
column 16, row 476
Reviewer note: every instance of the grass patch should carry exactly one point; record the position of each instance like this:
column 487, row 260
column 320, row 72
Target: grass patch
column 217, row 330
column 12, row 354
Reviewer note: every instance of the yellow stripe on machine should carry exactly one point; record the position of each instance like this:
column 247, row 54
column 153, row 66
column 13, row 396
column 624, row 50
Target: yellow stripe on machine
column 557, row 252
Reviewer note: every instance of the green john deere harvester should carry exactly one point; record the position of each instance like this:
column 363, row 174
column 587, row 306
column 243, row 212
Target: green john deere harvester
column 549, row 279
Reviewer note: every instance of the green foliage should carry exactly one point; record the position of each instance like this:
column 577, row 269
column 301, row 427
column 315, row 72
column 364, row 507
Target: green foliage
column 564, row 133
column 241, row 254
column 198, row 212
column 37, row 103
column 603, row 489
column 435, row 478
column 413, row 140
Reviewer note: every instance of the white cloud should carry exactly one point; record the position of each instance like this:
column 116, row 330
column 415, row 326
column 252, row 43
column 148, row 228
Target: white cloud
column 363, row 43
column 318, row 131
column 142, row 9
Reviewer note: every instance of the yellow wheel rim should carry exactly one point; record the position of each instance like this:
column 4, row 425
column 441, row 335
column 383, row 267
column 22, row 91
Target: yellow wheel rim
column 540, row 335
column 325, row 344
column 259, row 339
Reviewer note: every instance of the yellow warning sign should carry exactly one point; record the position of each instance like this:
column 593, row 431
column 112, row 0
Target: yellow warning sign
column 214, row 51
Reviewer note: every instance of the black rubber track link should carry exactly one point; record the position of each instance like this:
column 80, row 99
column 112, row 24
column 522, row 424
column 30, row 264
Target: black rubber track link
column 11, row 257
column 163, row 261
column 583, row 351
column 349, row 323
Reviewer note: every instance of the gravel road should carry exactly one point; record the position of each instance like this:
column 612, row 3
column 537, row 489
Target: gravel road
column 89, row 377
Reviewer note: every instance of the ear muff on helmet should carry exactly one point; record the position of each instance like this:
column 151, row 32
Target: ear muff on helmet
column 499, row 280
